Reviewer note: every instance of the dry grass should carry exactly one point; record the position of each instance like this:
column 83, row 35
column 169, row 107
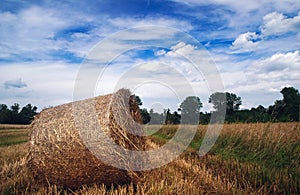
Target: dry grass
column 183, row 176
column 226, row 170
column 9, row 126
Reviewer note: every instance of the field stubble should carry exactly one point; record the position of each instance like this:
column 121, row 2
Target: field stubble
column 247, row 158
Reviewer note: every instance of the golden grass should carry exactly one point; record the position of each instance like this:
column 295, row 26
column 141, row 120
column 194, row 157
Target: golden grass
column 11, row 126
column 189, row 173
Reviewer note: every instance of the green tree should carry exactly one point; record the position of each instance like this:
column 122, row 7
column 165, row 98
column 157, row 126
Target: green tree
column 138, row 100
column 144, row 113
column 168, row 119
column 286, row 109
column 291, row 102
column 204, row 118
column 229, row 101
column 156, row 118
column 176, row 118
column 27, row 114
column 14, row 114
column 226, row 102
column 4, row 114
column 190, row 110
column 145, row 116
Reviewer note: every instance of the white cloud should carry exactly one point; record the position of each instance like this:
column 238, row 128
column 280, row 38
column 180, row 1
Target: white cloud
column 279, row 62
column 245, row 42
column 28, row 31
column 273, row 24
column 124, row 23
column 47, row 83
column 265, row 75
column 276, row 23
column 243, row 6
column 182, row 49
column 160, row 52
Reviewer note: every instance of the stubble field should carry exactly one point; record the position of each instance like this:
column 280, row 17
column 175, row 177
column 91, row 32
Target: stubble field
column 260, row 158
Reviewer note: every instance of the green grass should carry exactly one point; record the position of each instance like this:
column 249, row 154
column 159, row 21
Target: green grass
column 253, row 157
column 275, row 159
column 10, row 137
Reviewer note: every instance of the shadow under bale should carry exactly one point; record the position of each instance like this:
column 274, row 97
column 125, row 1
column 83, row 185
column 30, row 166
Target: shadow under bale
column 69, row 144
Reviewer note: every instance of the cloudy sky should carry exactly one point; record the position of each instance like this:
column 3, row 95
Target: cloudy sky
column 162, row 50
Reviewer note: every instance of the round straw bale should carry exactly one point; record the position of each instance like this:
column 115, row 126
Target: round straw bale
column 62, row 140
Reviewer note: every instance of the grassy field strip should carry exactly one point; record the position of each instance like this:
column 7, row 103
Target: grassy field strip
column 260, row 154
column 13, row 136
column 9, row 126
column 246, row 159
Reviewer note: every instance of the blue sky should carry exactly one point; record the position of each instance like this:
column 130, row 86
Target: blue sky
column 255, row 46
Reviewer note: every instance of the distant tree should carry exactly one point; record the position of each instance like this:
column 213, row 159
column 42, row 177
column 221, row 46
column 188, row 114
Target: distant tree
column 145, row 115
column 291, row 102
column 204, row 118
column 276, row 110
column 15, row 116
column 156, row 118
column 229, row 101
column 4, row 114
column 260, row 114
column 218, row 99
column 176, row 118
column 138, row 100
column 27, row 114
column 168, row 119
column 190, row 110
column 286, row 109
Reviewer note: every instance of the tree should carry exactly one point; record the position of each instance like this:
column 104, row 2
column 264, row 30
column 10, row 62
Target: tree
column 156, row 118
column 27, row 114
column 144, row 113
column 204, row 118
column 291, row 103
column 176, row 118
column 190, row 110
column 14, row 114
column 286, row 109
column 229, row 101
column 4, row 114
column 145, row 116
column 168, row 117
column 138, row 100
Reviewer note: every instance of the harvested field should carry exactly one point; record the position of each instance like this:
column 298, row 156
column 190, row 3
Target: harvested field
column 258, row 158
column 9, row 126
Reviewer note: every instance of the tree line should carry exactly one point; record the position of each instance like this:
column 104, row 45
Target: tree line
column 15, row 115
column 189, row 111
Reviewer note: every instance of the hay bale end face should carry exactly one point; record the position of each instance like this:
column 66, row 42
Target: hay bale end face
column 58, row 155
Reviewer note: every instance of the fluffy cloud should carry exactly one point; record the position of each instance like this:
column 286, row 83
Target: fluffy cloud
column 272, row 73
column 243, row 6
column 282, row 63
column 245, row 42
column 28, row 32
column 276, row 23
column 273, row 24
column 182, row 49
column 124, row 23
column 47, row 83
